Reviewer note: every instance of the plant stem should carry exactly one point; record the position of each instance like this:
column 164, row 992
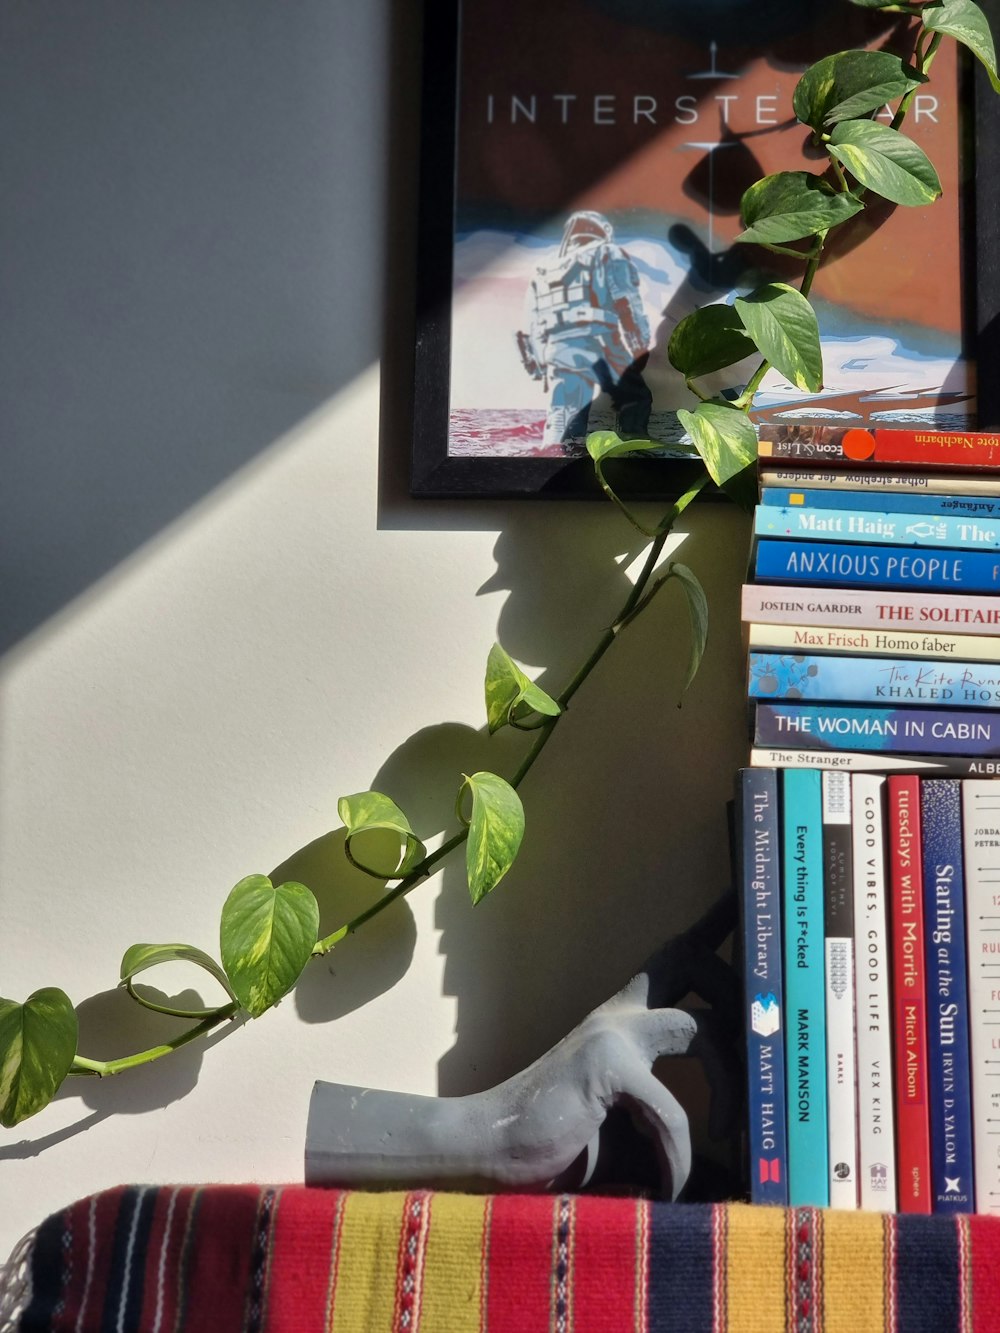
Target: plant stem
column 105, row 1068
column 546, row 729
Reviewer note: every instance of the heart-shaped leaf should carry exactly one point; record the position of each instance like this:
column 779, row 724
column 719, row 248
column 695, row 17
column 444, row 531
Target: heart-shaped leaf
column 267, row 936
column 707, row 340
column 37, row 1046
column 849, row 84
column 967, row 23
column 697, row 604
column 885, row 161
column 496, row 828
column 723, row 436
column 783, row 325
column 790, row 205
column 368, row 810
column 507, row 686
column 142, row 956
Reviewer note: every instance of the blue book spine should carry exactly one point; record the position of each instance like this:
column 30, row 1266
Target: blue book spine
column 760, row 884
column 888, row 681
column 889, row 730
column 948, row 1083
column 843, row 565
column 805, row 988
column 882, row 526
column 982, row 507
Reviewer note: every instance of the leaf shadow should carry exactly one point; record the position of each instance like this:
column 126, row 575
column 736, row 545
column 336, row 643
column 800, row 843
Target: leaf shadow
column 363, row 965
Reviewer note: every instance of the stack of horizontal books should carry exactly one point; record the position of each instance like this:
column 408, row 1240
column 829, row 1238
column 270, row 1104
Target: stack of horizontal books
column 869, row 821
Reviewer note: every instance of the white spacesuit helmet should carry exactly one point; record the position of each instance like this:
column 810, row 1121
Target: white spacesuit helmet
column 584, row 229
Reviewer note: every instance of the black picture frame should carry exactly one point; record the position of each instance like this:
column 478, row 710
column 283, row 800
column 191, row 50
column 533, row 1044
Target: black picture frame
column 435, row 473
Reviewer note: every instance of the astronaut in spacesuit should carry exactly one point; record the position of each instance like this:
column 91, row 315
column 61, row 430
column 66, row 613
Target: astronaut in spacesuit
column 587, row 327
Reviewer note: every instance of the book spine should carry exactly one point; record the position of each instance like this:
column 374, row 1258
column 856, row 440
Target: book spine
column 774, row 473
column 838, row 922
column 851, row 447
column 868, row 609
column 948, row 1083
column 805, row 997
column 858, row 762
column 919, row 731
column 981, row 848
column 885, row 528
column 874, row 643
column 909, row 1000
column 761, row 901
column 876, row 680
column 845, row 565
column 983, row 508
column 876, row 1127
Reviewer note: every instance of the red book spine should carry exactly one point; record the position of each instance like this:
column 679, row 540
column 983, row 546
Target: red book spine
column 909, row 998
column 856, row 447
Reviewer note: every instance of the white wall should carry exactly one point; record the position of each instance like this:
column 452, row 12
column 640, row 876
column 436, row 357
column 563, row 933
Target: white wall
column 221, row 612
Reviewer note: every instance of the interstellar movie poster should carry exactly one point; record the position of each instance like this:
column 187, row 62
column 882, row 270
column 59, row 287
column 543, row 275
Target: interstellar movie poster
column 602, row 149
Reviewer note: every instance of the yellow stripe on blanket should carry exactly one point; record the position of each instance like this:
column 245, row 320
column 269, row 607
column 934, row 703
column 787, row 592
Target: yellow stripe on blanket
column 853, row 1272
column 453, row 1270
column 756, row 1267
column 367, row 1263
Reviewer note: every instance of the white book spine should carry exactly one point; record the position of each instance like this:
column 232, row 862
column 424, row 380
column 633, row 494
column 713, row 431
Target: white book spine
column 981, row 851
column 839, row 958
column 875, row 642
column 876, row 1132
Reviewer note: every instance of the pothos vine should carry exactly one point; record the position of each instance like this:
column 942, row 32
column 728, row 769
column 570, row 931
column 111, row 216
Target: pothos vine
column 269, row 933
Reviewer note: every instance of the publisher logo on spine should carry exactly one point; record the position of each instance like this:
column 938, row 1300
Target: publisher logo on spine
column 765, row 1016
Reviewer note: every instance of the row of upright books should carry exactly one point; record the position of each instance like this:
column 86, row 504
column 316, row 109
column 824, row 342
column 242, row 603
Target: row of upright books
column 869, row 821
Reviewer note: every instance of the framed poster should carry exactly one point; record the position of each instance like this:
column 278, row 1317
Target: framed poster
column 581, row 172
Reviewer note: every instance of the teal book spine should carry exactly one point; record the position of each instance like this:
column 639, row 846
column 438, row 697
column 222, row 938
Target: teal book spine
column 805, row 988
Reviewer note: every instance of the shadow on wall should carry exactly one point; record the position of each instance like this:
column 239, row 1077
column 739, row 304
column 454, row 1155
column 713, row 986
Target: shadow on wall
column 593, row 890
column 190, row 237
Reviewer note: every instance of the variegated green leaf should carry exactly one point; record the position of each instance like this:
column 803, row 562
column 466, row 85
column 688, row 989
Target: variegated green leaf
column 37, row 1046
column 723, row 436
column 967, row 23
column 791, row 205
column 267, row 936
column 496, row 828
column 507, row 686
column 783, row 325
column 850, row 84
column 369, row 810
column 885, row 161
column 707, row 340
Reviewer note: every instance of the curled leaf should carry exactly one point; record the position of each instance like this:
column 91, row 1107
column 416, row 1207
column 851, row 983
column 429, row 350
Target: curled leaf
column 267, row 936
column 370, row 810
column 697, row 604
column 496, row 827
column 507, row 686
column 142, row 956
column 37, row 1046
column 603, row 444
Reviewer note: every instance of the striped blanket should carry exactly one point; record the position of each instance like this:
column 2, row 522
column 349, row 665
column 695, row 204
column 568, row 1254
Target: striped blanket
column 247, row 1259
